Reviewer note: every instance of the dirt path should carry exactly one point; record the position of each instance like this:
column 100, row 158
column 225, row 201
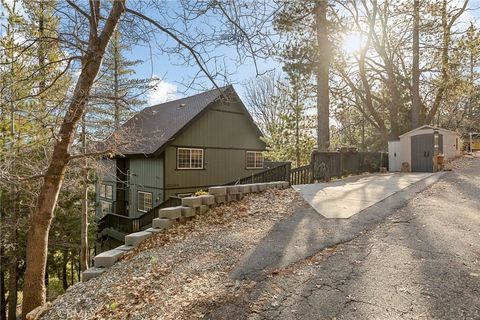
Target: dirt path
column 421, row 262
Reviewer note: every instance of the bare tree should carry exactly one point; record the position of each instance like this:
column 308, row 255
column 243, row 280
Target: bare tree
column 323, row 75
column 416, row 65
column 40, row 220
column 192, row 46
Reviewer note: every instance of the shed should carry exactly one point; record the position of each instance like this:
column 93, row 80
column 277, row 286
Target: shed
column 417, row 146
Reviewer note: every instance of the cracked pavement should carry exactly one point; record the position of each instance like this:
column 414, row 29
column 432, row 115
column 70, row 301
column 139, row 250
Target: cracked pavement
column 415, row 256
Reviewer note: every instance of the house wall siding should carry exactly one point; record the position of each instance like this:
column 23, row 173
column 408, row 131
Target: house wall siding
column 106, row 174
column 225, row 132
column 146, row 174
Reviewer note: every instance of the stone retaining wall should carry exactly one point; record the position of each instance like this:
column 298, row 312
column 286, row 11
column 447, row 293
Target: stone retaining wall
column 167, row 217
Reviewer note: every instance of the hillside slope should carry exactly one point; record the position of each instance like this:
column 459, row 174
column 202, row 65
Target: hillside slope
column 180, row 273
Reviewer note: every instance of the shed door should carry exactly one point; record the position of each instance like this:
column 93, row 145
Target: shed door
column 422, row 148
column 394, row 161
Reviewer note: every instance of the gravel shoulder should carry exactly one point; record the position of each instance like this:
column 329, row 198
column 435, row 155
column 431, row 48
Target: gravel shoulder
column 181, row 273
column 421, row 262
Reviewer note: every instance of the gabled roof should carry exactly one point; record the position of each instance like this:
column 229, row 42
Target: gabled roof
column 426, row 126
column 153, row 128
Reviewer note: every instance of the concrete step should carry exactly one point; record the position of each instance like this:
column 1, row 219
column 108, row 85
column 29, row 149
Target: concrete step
column 217, row 191
column 232, row 190
column 188, row 212
column 193, row 202
column 208, row 199
column 253, row 188
column 153, row 230
column 108, row 258
column 261, row 186
column 203, row 208
column 170, row 213
column 134, row 239
column 220, row 199
column 244, row 188
column 125, row 248
column 161, row 223
column 91, row 273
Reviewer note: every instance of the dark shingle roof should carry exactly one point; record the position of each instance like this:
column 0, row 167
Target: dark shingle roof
column 153, row 127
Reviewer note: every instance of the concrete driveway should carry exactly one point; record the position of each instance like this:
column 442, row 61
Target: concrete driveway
column 344, row 198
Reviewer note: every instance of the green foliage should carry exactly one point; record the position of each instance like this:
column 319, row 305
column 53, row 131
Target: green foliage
column 292, row 136
column 201, row 193
column 117, row 94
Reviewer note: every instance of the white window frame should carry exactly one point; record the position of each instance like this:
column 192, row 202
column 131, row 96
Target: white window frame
column 106, row 203
column 190, row 168
column 106, row 192
column 138, row 200
column 256, row 153
column 103, row 191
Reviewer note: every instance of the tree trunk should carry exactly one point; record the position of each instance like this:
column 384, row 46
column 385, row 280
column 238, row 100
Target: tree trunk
column 3, row 298
column 116, row 66
column 446, row 29
column 84, row 211
column 12, row 286
column 64, row 270
column 323, row 70
column 40, row 220
column 416, row 66
column 297, row 128
column 72, row 268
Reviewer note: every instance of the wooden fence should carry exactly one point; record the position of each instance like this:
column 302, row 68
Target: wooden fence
column 281, row 172
column 325, row 165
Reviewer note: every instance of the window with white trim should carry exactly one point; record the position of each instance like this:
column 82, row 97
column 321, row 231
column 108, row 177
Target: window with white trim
column 254, row 160
column 106, row 191
column 145, row 202
column 189, row 158
column 106, row 207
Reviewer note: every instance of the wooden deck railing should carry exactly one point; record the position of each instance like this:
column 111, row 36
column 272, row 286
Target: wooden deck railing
column 127, row 225
column 277, row 173
column 301, row 175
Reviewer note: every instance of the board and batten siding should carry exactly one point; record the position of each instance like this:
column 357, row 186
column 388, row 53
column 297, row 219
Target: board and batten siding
column 106, row 174
column 146, row 174
column 225, row 132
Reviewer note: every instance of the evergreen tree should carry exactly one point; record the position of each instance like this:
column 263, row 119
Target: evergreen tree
column 308, row 50
column 117, row 93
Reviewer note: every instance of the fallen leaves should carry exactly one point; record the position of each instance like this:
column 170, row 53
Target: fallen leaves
column 183, row 272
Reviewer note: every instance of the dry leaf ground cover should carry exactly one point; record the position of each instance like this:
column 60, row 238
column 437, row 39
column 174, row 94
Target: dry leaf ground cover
column 179, row 273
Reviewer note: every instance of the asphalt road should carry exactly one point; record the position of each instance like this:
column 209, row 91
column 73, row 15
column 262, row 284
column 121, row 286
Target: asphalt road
column 415, row 255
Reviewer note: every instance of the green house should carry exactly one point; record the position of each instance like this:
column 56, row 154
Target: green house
column 171, row 150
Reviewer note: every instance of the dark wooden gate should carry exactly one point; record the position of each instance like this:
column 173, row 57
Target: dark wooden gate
column 422, row 151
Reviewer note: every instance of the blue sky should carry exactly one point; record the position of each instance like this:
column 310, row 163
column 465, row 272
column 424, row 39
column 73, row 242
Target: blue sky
column 175, row 77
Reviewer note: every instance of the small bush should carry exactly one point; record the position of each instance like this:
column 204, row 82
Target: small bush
column 201, row 193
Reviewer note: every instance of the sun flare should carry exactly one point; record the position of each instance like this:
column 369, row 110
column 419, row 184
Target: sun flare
column 352, row 42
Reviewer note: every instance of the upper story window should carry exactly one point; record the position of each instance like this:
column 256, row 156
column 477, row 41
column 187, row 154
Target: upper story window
column 188, row 158
column 145, row 202
column 106, row 191
column 254, row 160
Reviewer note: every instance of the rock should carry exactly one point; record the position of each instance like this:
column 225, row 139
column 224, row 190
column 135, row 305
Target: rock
column 38, row 311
